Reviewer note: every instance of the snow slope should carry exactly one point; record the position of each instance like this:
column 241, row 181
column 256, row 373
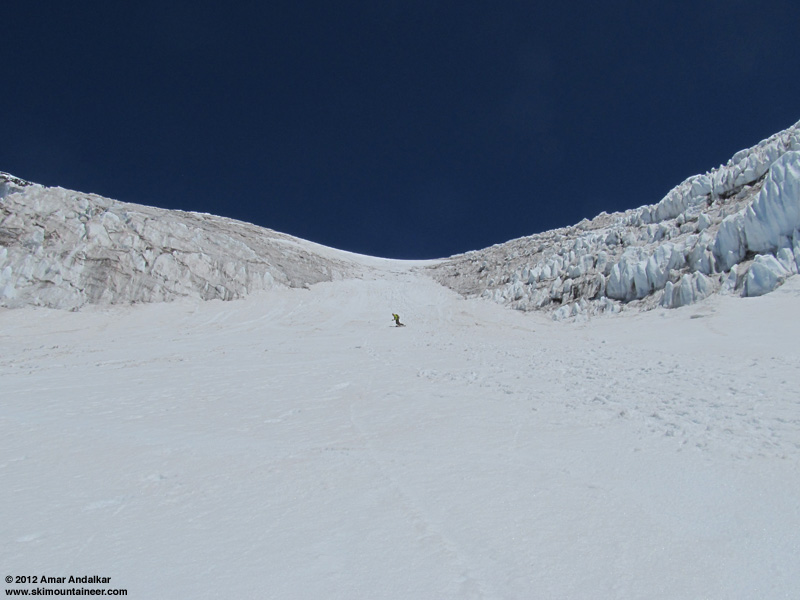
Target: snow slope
column 294, row 444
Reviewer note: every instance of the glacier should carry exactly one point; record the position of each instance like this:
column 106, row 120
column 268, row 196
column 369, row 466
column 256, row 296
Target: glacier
column 712, row 233
column 702, row 238
column 64, row 249
column 193, row 406
column 296, row 444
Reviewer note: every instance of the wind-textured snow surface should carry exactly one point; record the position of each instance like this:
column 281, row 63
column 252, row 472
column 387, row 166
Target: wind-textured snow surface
column 735, row 229
column 295, row 444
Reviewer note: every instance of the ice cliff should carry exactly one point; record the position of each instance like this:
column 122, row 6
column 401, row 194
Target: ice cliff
column 64, row 249
column 735, row 230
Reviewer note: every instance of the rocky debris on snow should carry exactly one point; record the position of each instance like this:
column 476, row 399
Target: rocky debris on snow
column 63, row 249
column 734, row 230
column 8, row 181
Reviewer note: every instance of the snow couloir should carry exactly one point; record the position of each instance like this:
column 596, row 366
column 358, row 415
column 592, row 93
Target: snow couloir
column 734, row 230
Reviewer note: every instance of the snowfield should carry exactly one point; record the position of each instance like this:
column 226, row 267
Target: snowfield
column 294, row 444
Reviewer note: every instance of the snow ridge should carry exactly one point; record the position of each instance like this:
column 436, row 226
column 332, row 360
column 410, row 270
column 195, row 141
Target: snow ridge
column 735, row 229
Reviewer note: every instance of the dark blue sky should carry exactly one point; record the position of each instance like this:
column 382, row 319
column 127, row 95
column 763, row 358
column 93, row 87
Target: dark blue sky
column 395, row 128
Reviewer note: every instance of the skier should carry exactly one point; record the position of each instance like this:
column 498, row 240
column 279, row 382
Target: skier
column 397, row 320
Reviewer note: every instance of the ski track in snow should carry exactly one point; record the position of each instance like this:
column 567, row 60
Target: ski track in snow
column 295, row 444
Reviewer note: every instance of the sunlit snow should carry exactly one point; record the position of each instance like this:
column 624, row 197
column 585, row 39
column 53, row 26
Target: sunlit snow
column 295, row 444
column 196, row 407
